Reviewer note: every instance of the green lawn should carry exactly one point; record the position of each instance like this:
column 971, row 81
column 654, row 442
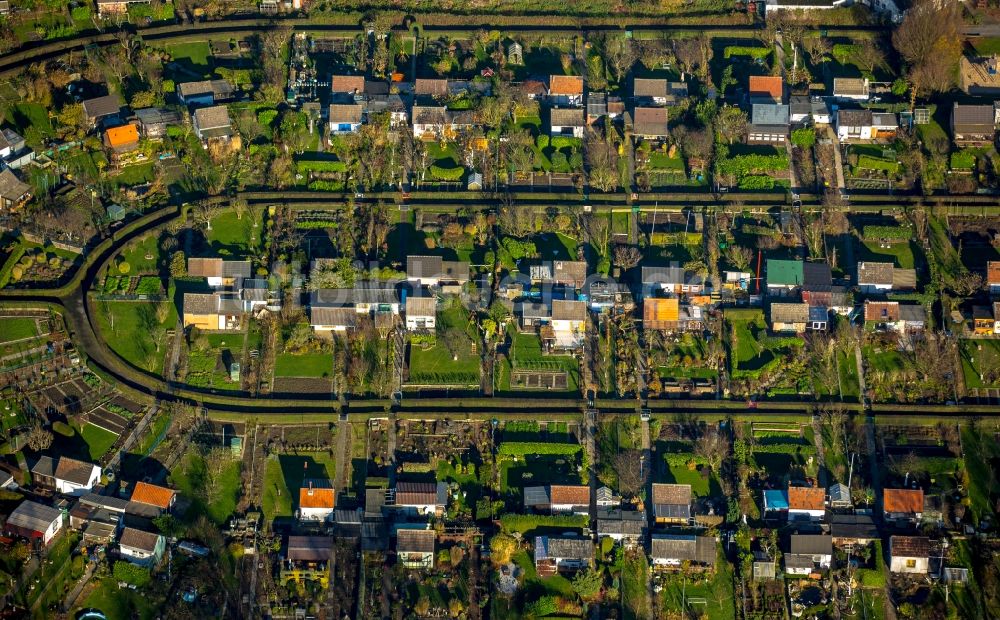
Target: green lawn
column 635, row 586
column 701, row 485
column 884, row 361
column 715, row 588
column 119, row 603
column 436, row 364
column 31, row 120
column 132, row 331
column 527, row 355
column 203, row 365
column 555, row 246
column 136, row 255
column 99, row 441
column 662, row 161
column 536, row 470
column 212, row 493
column 17, row 328
column 850, row 387
column 981, row 450
column 135, row 175
column 902, row 255
column 304, row 365
column 234, row 236
column 980, row 356
column 283, row 479
column 193, row 56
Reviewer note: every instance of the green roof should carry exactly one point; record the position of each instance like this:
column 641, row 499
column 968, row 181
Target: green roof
column 784, row 272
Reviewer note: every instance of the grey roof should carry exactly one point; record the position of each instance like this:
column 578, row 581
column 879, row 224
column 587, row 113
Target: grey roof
column 672, row 511
column 566, row 548
column 415, row 541
column 436, row 267
column 811, row 544
column 854, row 118
column 329, row 316
column 597, row 104
column 884, row 119
column 201, row 303
column 310, row 548
column 789, row 313
column 532, row 310
column 374, row 501
column 74, row 470
column 649, row 87
column 669, row 275
column 799, row 105
column 912, row 313
column 855, row 87
column 769, row 114
column 563, row 310
column 566, row 117
column 215, row 117
column 138, row 539
column 973, row 118
column 625, row 527
column 115, row 504
column 650, row 122
column 816, row 274
column 44, row 466
column 219, row 89
column 701, row 549
column 364, row 292
column 345, row 112
column 853, row 526
column 429, row 115
column 156, row 116
column 235, row 269
column 875, row 273
column 343, row 516
column 33, row 516
column 98, row 107
column 11, row 187
column 536, row 496
column 421, row 306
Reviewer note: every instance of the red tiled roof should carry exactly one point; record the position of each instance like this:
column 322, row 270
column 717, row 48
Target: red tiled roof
column 158, row 496
column 769, row 85
column 905, row 501
column 316, row 498
column 576, row 495
column 565, row 85
column 806, row 498
column 993, row 272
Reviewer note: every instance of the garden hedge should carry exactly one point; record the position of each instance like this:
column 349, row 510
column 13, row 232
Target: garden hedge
column 447, row 174
column 521, row 448
column 526, row 523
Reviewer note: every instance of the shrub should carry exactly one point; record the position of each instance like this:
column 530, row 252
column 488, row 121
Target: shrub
column 131, row 574
column 63, row 429
column 891, row 233
column 124, row 267
column 963, row 160
column 804, row 138
column 447, row 174
column 542, row 141
column 752, row 164
column 521, row 448
column 562, row 142
column 526, row 523
column 745, row 50
column 756, row 182
column 16, row 273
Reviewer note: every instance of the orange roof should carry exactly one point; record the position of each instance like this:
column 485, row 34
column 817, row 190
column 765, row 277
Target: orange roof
column 904, row 501
column 993, row 272
column 769, row 85
column 565, row 85
column 145, row 493
column 806, row 498
column 316, row 498
column 120, row 136
column 577, row 495
column 882, row 311
column 661, row 309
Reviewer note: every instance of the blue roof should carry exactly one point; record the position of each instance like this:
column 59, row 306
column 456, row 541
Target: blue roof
column 776, row 500
column 818, row 313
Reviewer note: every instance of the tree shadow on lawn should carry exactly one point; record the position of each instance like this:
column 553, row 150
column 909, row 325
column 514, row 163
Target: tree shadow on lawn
column 297, row 467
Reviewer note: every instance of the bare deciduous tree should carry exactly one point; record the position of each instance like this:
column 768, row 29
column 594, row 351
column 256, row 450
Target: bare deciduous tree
column 929, row 42
column 628, row 466
column 627, row 256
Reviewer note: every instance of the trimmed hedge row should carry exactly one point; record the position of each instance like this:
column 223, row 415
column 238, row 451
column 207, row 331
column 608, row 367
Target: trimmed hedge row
column 521, row 448
column 526, row 523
